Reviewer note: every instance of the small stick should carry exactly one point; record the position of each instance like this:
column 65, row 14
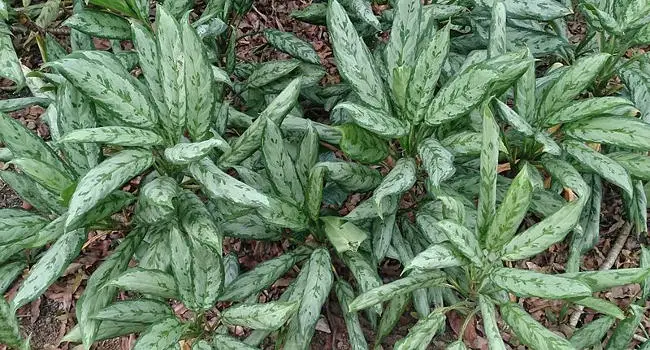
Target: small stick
column 612, row 256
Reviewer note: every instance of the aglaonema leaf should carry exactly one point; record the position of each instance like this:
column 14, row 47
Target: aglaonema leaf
column 354, row 60
column 527, row 283
column 317, row 288
column 104, row 79
column 421, row 334
column 289, row 43
column 529, row 331
column 267, row 316
column 100, row 24
column 104, row 179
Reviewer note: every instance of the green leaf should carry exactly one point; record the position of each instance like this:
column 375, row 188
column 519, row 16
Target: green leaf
column 600, row 164
column 186, row 153
column 157, row 253
column 49, row 267
column 9, row 332
column 637, row 82
column 603, row 280
column 107, row 330
column 362, row 145
column 592, row 333
column 49, row 233
column 345, row 294
column 368, row 210
column 583, row 241
column 513, row 208
column 255, row 280
column 114, row 135
column 156, row 200
column 314, row 13
column 268, row 316
column 421, row 89
column 522, row 126
column 462, row 240
column 625, row 329
column 102, row 78
column 352, row 177
column 251, row 139
column 75, row 111
column 308, row 156
column 121, row 6
column 525, row 283
column 567, row 176
column 270, row 71
column 136, row 310
column 524, row 93
column 197, row 222
column 541, row 10
column 529, row 331
column 375, row 121
column 437, row 161
column 490, row 325
column 401, row 286
column 497, row 41
column 570, row 84
column 25, row 144
column 382, row 233
column 362, row 10
column 98, row 294
column 150, row 282
column 457, row 345
column 591, row 107
column 354, row 60
column 399, row 180
column 104, row 179
column 421, row 334
column 11, row 65
column 488, row 171
column 224, row 342
column 620, row 131
column 8, row 273
column 230, row 268
column 638, row 165
column 401, row 49
column 17, row 224
column 100, row 24
column 600, row 305
column 543, row 234
column 50, row 178
column 149, row 59
column 197, row 269
column 344, row 235
column 220, row 185
column 468, row 89
column 364, row 273
column 391, row 315
column 437, row 256
column 317, row 288
column 14, row 104
column 172, row 73
column 291, row 44
column 280, row 167
column 199, row 83
column 162, row 335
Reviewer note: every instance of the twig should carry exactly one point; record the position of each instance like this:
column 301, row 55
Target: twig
column 612, row 256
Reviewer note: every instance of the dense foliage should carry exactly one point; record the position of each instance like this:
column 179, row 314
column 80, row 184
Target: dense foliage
column 484, row 115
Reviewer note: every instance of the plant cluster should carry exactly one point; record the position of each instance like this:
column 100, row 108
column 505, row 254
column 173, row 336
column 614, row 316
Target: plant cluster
column 488, row 162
